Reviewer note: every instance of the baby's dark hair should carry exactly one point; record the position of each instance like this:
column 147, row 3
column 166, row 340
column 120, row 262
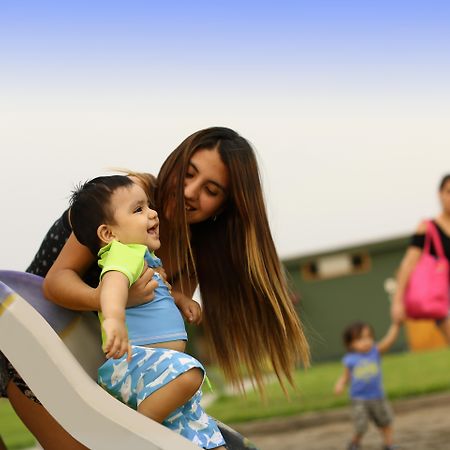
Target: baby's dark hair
column 90, row 207
column 443, row 182
column 354, row 331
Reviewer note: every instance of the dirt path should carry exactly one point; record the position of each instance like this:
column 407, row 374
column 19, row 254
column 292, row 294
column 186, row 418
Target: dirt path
column 420, row 424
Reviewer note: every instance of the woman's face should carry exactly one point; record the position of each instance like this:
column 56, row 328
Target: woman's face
column 205, row 185
column 444, row 196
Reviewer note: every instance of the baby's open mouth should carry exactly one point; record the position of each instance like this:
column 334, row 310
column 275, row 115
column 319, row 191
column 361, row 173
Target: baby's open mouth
column 153, row 229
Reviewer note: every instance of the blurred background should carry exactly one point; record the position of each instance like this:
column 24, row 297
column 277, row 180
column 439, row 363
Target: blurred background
column 347, row 104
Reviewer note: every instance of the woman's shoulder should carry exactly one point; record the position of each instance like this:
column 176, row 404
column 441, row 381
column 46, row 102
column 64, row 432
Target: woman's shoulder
column 51, row 246
column 421, row 228
column 442, row 227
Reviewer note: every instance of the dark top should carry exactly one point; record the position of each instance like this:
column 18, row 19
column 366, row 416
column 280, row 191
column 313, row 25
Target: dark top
column 52, row 245
column 418, row 240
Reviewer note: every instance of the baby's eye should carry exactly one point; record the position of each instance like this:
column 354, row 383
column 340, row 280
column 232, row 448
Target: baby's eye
column 138, row 209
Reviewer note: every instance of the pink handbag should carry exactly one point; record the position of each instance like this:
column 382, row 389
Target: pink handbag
column 427, row 292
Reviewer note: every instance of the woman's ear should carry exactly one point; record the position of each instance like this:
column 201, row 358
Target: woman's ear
column 105, row 233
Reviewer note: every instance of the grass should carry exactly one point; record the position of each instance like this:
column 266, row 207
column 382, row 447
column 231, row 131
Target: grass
column 12, row 430
column 405, row 375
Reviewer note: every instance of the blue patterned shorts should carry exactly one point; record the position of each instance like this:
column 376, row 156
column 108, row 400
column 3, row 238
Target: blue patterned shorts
column 149, row 370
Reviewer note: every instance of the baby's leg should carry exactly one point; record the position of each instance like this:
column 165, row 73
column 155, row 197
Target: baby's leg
column 167, row 387
column 174, row 394
column 170, row 397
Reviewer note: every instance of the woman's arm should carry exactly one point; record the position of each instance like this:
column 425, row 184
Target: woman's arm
column 407, row 265
column 63, row 283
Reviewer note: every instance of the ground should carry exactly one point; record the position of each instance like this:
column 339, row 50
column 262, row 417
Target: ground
column 421, row 424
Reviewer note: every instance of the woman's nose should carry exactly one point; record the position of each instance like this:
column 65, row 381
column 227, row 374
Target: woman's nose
column 190, row 189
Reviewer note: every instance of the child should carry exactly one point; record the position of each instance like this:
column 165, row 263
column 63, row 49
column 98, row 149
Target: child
column 363, row 371
column 145, row 366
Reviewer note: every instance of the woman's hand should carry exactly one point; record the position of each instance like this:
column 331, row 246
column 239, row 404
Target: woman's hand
column 143, row 290
column 163, row 275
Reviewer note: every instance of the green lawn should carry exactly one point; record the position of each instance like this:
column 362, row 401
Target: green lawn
column 405, row 375
column 12, row 430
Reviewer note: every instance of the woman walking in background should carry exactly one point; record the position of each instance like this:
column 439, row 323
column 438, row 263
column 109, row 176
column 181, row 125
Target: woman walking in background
column 415, row 251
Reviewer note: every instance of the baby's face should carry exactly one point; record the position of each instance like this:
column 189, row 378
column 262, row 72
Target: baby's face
column 364, row 342
column 135, row 222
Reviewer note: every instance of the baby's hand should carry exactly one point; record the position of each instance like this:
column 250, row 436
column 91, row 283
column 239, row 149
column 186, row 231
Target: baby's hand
column 339, row 387
column 117, row 343
column 191, row 311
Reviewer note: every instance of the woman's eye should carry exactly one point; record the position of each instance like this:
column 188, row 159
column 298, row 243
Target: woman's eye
column 211, row 192
column 189, row 175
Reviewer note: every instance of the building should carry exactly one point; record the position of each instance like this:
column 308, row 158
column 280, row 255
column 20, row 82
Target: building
column 332, row 289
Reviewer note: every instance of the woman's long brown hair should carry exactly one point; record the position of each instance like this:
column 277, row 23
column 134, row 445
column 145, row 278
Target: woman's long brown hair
column 249, row 318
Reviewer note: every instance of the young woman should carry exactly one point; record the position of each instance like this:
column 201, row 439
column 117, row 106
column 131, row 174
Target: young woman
column 215, row 233
column 414, row 252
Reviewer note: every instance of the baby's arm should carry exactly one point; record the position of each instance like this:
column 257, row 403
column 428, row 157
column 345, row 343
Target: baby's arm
column 342, row 381
column 113, row 299
column 389, row 338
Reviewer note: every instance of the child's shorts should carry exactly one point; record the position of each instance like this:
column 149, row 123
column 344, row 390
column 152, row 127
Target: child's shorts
column 149, row 370
column 378, row 410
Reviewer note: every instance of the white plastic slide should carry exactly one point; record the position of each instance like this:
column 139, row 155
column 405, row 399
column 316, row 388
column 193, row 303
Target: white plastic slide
column 57, row 352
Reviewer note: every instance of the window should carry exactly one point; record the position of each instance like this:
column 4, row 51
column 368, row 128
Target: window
column 338, row 265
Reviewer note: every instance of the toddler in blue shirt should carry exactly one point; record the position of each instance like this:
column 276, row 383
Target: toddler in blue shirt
column 362, row 369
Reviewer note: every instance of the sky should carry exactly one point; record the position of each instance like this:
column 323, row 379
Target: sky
column 347, row 104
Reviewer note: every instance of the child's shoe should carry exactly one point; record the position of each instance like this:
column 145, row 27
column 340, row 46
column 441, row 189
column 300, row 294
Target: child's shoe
column 353, row 446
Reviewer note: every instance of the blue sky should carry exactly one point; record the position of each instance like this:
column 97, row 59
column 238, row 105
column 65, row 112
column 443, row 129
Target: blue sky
column 223, row 36
column 346, row 102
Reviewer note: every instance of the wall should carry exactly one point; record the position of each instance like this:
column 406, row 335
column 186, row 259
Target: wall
column 350, row 287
